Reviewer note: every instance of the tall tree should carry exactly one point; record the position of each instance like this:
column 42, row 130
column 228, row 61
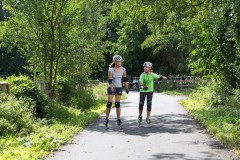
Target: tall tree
column 52, row 30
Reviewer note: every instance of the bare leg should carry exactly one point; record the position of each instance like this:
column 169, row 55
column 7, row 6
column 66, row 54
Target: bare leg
column 110, row 99
column 148, row 114
column 118, row 110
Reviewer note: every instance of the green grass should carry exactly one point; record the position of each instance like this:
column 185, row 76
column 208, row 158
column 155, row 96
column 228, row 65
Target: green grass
column 223, row 121
column 60, row 125
column 49, row 134
column 185, row 92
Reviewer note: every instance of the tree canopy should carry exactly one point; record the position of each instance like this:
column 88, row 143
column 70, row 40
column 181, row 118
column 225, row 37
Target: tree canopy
column 77, row 39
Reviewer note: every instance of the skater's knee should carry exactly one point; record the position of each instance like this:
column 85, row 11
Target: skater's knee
column 109, row 104
column 149, row 106
column 117, row 104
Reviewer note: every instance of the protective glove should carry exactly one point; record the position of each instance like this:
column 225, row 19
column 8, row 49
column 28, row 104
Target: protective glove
column 160, row 78
column 144, row 87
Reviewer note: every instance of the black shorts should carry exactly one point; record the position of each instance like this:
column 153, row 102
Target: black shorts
column 116, row 91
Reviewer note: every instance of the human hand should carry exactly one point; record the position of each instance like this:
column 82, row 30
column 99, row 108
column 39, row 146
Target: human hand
column 144, row 87
column 113, row 91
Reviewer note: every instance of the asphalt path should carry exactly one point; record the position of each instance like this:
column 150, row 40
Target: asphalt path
column 173, row 135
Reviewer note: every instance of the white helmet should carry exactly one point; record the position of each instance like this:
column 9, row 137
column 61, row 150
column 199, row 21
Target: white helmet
column 117, row 58
column 148, row 64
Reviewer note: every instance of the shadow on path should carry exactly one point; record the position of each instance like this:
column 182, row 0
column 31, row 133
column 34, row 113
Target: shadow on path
column 162, row 124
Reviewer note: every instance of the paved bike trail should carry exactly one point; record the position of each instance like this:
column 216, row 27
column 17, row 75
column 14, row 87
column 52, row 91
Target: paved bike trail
column 173, row 135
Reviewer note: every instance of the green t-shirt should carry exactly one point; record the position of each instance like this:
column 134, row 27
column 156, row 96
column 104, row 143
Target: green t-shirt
column 147, row 80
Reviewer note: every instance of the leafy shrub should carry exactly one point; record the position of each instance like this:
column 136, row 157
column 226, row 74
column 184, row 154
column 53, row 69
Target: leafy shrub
column 23, row 86
column 217, row 108
column 79, row 97
column 16, row 116
column 100, row 91
column 232, row 100
column 214, row 94
column 166, row 85
column 64, row 90
column 83, row 99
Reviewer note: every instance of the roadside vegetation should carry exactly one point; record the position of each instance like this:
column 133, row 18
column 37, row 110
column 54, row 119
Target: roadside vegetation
column 218, row 110
column 170, row 88
column 30, row 133
column 215, row 107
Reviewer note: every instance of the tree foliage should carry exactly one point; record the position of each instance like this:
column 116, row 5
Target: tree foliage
column 187, row 37
column 57, row 37
column 75, row 39
column 215, row 31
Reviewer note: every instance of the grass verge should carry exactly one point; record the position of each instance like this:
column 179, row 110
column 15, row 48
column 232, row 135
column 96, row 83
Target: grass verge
column 185, row 92
column 60, row 125
column 49, row 134
column 223, row 121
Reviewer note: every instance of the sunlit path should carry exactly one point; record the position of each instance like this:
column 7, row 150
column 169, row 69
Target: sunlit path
column 173, row 135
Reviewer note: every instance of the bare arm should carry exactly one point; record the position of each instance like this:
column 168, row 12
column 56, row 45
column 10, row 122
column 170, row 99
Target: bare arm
column 163, row 77
column 110, row 77
column 126, row 83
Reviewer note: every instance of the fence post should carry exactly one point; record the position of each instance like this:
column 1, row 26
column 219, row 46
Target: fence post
column 5, row 87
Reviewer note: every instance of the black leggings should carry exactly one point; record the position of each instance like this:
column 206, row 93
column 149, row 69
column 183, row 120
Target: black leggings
column 149, row 100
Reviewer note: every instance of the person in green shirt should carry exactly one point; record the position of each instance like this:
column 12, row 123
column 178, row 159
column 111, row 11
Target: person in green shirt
column 146, row 90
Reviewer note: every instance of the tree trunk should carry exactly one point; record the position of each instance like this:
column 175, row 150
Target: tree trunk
column 51, row 61
column 57, row 58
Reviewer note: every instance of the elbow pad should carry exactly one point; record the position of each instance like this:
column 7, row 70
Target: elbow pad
column 124, row 79
column 109, row 81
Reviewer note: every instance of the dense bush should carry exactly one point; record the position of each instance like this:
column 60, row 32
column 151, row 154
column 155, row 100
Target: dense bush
column 16, row 115
column 64, row 90
column 23, row 86
column 166, row 85
column 78, row 95
column 212, row 94
column 83, row 99
column 218, row 109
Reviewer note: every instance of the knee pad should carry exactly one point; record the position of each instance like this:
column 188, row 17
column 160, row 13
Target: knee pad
column 141, row 105
column 109, row 104
column 149, row 106
column 117, row 104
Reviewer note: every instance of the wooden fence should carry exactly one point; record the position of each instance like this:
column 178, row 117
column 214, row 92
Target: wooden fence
column 178, row 81
column 185, row 81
